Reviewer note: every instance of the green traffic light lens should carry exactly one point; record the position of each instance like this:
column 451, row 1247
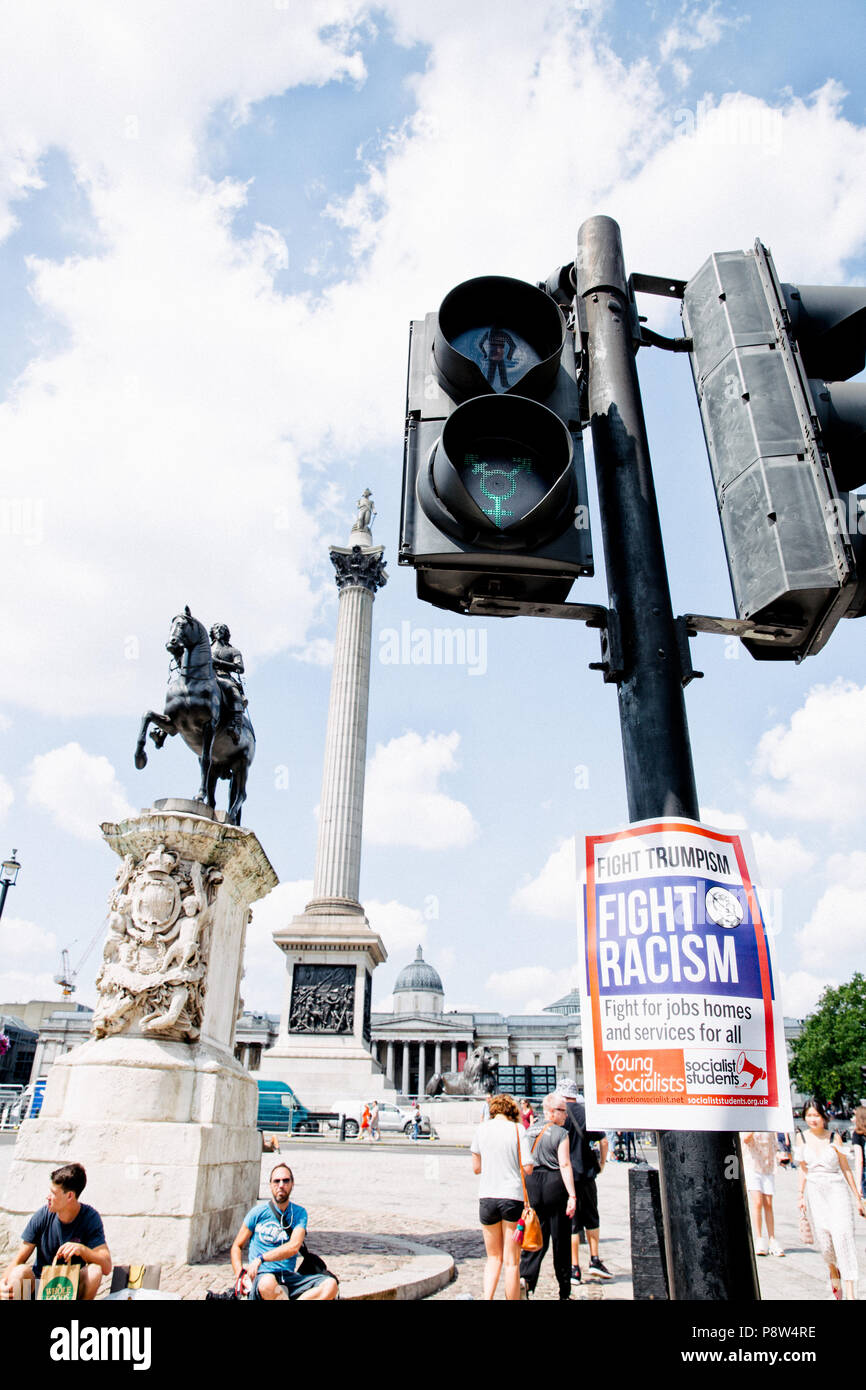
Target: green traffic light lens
column 501, row 473
column 503, row 478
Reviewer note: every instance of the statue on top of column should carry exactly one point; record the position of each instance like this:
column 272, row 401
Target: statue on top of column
column 366, row 511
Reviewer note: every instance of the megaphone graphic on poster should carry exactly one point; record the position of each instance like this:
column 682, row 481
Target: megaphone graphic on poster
column 747, row 1068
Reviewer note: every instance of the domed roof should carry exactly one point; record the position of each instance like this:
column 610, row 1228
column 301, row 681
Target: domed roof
column 418, row 975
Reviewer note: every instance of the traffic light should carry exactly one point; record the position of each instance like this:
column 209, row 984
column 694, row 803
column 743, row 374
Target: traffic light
column 494, row 482
column 785, row 435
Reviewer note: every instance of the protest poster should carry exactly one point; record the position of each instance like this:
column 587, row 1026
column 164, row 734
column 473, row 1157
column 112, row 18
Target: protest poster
column 681, row 1022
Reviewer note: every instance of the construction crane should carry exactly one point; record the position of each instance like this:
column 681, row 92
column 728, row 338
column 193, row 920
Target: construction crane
column 66, row 978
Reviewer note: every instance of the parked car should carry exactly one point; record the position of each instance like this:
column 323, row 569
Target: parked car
column 393, row 1119
column 280, row 1110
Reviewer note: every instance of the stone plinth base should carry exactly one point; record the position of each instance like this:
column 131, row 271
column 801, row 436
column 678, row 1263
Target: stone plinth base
column 167, row 1135
column 155, row 1106
column 454, row 1120
column 321, row 1082
column 325, row 1064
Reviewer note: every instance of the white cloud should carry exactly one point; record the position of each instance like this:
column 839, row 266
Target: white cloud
column 811, row 766
column 22, row 941
column 179, row 391
column 7, row 796
column 317, row 652
column 801, row 990
column 834, row 937
column 781, row 859
column 403, row 804
column 401, row 928
column 696, row 27
column 553, row 893
column 529, row 989
column 263, row 987
column 25, row 949
column 20, row 986
column 722, row 820
column 78, row 790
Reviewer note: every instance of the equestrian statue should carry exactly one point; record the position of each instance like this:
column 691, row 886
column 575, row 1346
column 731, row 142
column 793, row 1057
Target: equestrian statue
column 205, row 704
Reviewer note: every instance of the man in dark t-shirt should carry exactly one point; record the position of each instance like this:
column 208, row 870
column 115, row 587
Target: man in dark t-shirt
column 585, row 1166
column 66, row 1231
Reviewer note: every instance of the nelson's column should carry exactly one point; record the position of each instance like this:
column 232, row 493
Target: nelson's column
column 323, row 1048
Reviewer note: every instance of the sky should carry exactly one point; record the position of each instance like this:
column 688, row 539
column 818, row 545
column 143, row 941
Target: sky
column 217, row 221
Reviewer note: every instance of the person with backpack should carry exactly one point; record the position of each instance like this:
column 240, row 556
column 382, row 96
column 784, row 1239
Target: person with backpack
column 552, row 1196
column 275, row 1230
column 586, row 1164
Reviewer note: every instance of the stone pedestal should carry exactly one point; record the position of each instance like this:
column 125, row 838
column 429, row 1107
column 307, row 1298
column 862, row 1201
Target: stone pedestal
column 154, row 1105
column 323, row 1048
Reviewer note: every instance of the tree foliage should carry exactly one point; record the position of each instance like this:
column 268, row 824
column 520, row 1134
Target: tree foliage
column 828, row 1055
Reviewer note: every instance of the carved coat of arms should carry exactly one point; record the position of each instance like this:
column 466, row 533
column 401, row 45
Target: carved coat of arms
column 152, row 979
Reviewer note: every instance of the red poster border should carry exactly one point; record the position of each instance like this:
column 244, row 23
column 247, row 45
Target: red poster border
column 690, row 828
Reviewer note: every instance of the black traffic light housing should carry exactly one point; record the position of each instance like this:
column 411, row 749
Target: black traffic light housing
column 494, row 482
column 785, row 433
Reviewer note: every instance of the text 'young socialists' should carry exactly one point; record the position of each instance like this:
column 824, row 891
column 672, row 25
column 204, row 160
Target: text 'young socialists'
column 652, row 935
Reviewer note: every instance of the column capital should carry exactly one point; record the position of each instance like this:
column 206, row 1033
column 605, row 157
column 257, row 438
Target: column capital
column 359, row 567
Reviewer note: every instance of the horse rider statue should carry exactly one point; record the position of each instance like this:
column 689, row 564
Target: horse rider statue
column 228, row 665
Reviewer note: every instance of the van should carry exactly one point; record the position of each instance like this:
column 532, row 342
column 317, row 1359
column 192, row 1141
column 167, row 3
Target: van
column 280, row 1110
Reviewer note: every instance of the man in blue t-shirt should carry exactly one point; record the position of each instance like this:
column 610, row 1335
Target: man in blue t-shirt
column 275, row 1231
column 65, row 1231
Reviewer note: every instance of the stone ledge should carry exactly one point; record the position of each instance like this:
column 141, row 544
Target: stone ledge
column 428, row 1271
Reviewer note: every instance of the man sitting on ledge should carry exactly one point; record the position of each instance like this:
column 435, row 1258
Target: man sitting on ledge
column 63, row 1230
column 276, row 1231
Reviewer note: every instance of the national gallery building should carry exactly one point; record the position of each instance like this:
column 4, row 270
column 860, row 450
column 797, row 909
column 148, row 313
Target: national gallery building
column 419, row 1038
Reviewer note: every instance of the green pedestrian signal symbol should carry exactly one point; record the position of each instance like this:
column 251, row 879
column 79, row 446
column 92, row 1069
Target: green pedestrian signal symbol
column 498, row 483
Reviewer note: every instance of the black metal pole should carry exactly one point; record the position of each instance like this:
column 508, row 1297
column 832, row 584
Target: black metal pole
column 707, row 1235
column 5, row 883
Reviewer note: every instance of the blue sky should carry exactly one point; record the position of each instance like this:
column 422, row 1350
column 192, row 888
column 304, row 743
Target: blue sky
column 216, row 222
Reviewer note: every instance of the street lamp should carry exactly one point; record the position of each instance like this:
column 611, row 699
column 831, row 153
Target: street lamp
column 8, row 875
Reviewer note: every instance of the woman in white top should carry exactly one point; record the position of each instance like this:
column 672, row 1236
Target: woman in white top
column 826, row 1187
column 499, row 1150
column 759, row 1152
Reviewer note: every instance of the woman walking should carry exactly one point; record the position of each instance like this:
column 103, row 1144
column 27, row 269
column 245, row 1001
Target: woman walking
column 552, row 1196
column 500, row 1150
column 825, row 1184
column 759, row 1152
column 858, row 1139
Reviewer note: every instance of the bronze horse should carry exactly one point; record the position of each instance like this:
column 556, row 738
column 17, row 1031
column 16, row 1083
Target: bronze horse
column 196, row 708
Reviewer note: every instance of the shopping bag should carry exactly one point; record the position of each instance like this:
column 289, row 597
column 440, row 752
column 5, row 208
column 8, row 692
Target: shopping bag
column 59, row 1282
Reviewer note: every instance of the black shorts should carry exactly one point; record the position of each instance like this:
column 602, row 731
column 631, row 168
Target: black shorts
column 586, row 1210
column 494, row 1209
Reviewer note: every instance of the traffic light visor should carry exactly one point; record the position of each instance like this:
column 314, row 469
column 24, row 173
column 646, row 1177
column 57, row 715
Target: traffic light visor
column 502, row 471
column 496, row 335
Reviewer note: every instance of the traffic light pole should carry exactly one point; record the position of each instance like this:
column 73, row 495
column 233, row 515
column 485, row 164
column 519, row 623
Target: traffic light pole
column 707, row 1239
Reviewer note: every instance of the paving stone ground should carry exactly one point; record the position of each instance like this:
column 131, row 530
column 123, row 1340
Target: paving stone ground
column 367, row 1204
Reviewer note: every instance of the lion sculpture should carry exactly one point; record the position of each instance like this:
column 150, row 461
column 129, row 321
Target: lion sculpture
column 476, row 1079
